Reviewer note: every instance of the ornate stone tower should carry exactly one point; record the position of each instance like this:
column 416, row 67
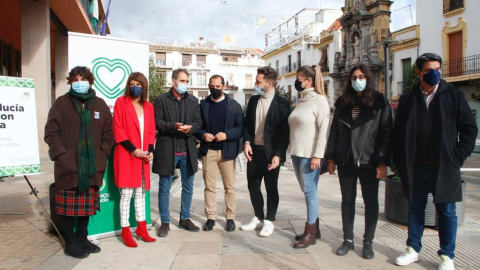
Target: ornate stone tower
column 365, row 24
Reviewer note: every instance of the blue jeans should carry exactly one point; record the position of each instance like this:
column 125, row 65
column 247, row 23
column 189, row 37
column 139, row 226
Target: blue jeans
column 165, row 184
column 424, row 183
column 308, row 180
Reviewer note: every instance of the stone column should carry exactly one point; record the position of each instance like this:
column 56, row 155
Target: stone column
column 61, row 64
column 35, row 50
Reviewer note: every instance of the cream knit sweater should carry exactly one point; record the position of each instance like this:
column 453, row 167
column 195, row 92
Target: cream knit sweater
column 309, row 125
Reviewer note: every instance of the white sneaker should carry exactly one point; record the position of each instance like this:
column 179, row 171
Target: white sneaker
column 267, row 229
column 283, row 168
column 445, row 263
column 252, row 225
column 408, row 257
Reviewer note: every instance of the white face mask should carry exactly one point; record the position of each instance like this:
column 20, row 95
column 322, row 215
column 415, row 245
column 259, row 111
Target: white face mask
column 359, row 85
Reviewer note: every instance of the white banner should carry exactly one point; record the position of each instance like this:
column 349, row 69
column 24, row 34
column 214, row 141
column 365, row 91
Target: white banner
column 111, row 61
column 18, row 127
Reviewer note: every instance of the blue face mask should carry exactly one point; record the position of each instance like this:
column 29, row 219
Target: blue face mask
column 181, row 88
column 359, row 85
column 258, row 90
column 136, row 90
column 81, row 87
column 432, row 77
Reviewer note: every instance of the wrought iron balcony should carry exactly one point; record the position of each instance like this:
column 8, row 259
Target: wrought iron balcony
column 463, row 66
column 294, row 66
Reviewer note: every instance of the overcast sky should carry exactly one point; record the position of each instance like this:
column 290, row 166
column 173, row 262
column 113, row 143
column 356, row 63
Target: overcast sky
column 245, row 22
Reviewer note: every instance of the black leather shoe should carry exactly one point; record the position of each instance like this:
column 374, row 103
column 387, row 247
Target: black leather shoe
column 346, row 246
column 209, row 225
column 230, row 225
column 89, row 246
column 368, row 250
column 76, row 250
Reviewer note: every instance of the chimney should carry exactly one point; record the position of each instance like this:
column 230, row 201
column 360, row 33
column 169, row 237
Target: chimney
column 201, row 41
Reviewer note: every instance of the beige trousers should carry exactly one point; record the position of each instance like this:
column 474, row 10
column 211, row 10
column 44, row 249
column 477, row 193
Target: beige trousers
column 211, row 163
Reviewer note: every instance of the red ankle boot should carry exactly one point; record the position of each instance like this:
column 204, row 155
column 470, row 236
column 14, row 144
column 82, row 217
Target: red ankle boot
column 142, row 232
column 128, row 238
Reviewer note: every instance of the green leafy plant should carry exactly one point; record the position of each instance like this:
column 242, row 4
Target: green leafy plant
column 284, row 93
column 156, row 82
column 412, row 79
column 476, row 83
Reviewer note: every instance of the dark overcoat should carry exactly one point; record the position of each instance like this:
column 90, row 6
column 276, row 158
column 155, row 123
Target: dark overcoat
column 61, row 134
column 165, row 119
column 458, row 132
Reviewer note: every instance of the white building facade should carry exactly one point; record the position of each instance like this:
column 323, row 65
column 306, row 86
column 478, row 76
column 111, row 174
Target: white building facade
column 449, row 29
column 237, row 66
column 287, row 56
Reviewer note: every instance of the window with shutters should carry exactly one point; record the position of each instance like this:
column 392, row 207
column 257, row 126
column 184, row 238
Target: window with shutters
column 451, row 5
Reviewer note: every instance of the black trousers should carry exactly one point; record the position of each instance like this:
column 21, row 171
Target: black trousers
column 256, row 170
column 68, row 223
column 348, row 175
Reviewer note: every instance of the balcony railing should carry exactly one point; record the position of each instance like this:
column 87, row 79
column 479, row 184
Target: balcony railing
column 291, row 68
column 462, row 66
column 451, row 5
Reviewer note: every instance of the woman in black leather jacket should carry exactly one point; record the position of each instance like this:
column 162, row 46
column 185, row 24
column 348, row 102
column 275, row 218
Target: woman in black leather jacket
column 359, row 144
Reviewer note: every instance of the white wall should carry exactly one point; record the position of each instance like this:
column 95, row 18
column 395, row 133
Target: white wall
column 431, row 20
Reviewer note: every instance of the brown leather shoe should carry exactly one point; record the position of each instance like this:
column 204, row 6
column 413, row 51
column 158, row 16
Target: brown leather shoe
column 317, row 227
column 188, row 225
column 308, row 238
column 163, row 231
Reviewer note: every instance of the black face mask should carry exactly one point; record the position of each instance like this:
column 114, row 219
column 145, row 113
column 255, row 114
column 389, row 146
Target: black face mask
column 298, row 86
column 216, row 93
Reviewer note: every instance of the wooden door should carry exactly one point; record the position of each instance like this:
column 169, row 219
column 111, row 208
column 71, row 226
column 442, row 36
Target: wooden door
column 455, row 54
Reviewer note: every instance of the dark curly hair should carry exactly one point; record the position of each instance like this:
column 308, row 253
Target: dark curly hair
column 84, row 72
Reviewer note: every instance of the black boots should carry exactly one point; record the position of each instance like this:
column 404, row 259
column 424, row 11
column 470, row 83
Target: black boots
column 346, row 246
column 317, row 231
column 367, row 250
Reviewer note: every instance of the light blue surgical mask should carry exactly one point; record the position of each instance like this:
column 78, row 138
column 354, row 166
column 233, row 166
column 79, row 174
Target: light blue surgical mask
column 359, row 85
column 258, row 90
column 81, row 87
column 181, row 88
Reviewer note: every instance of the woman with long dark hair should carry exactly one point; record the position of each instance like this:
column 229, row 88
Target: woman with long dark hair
column 134, row 129
column 308, row 136
column 359, row 144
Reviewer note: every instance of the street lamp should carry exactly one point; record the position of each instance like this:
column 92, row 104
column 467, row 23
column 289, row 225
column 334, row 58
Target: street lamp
column 387, row 43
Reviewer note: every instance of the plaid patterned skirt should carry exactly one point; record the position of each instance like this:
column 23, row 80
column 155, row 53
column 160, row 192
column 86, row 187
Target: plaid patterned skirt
column 73, row 203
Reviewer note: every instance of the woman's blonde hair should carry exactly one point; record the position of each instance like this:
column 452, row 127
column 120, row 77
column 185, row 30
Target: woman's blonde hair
column 315, row 73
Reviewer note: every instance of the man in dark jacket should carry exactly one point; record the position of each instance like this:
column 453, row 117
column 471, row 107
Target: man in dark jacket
column 266, row 140
column 177, row 119
column 220, row 134
column 435, row 132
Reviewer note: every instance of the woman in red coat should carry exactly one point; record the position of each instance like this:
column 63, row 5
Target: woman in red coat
column 134, row 130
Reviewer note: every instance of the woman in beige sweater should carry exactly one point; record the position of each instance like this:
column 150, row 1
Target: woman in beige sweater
column 308, row 136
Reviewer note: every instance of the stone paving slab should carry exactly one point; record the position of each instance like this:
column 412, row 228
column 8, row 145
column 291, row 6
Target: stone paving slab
column 26, row 243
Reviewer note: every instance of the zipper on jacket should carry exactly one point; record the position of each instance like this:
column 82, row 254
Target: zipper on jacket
column 364, row 141
column 350, row 127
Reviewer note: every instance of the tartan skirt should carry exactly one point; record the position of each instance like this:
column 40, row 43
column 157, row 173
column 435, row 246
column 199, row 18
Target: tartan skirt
column 73, row 203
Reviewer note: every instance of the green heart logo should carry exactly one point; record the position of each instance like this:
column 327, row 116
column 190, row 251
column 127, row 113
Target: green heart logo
column 8, row 171
column 111, row 81
column 3, row 81
column 27, row 168
column 12, row 82
column 18, row 170
column 2, row 171
column 36, row 168
column 29, row 83
column 21, row 83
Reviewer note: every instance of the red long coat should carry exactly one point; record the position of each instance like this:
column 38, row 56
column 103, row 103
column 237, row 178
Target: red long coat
column 126, row 167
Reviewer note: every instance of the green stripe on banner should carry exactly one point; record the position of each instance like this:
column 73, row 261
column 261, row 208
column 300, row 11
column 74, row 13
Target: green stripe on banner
column 16, row 82
column 19, row 170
